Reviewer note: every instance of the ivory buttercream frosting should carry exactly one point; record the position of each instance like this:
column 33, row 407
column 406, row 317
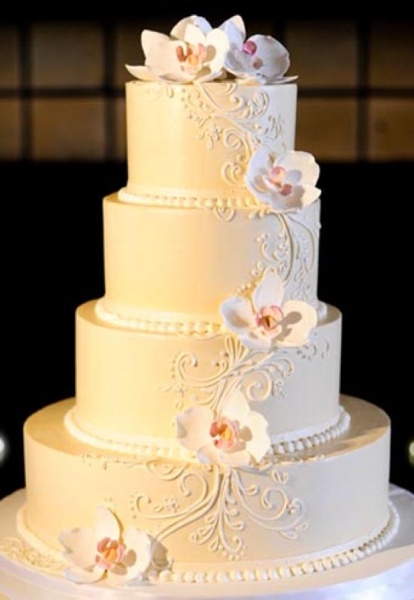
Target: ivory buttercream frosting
column 208, row 440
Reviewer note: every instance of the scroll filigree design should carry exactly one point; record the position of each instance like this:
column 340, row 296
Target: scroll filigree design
column 292, row 252
column 215, row 506
column 239, row 123
column 313, row 349
column 257, row 374
column 20, row 552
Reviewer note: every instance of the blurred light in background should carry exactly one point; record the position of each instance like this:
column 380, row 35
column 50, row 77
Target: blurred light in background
column 3, row 448
column 411, row 452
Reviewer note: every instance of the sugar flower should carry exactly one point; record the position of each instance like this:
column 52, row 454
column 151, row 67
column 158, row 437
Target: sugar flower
column 266, row 320
column 285, row 182
column 259, row 58
column 105, row 552
column 192, row 52
column 233, row 435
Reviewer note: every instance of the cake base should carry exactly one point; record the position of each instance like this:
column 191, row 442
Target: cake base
column 386, row 575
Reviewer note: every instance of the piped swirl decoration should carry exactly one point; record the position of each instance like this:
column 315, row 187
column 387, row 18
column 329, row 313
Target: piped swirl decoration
column 256, row 374
column 229, row 116
column 215, row 507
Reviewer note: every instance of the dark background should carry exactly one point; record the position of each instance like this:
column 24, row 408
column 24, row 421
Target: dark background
column 213, row 11
column 52, row 256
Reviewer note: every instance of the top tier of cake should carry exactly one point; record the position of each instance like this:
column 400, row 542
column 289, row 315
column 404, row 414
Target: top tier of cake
column 191, row 144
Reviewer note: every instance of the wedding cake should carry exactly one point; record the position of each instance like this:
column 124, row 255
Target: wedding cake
column 208, row 440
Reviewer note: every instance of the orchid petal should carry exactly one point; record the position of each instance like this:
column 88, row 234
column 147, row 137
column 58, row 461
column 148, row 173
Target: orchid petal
column 269, row 292
column 140, row 544
column 193, row 35
column 310, row 194
column 210, row 454
column 179, row 30
column 256, row 342
column 193, row 427
column 301, row 318
column 152, row 39
column 273, row 55
column 235, row 407
column 219, row 41
column 262, row 160
column 238, row 314
column 79, row 575
column 235, row 30
column 241, row 458
column 165, row 64
column 80, row 546
column 304, row 162
column 141, row 72
column 118, row 577
column 291, row 202
column 106, row 524
column 259, row 443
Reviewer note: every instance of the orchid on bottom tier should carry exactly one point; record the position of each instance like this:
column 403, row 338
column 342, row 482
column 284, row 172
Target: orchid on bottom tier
column 106, row 552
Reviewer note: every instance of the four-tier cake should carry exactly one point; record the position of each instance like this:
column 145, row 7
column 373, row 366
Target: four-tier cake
column 208, row 440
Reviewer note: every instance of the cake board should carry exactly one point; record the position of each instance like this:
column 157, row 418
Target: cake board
column 385, row 575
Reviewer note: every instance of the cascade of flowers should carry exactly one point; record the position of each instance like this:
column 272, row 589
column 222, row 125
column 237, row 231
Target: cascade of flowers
column 232, row 435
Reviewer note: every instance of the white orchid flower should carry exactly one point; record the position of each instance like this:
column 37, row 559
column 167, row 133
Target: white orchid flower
column 259, row 59
column 104, row 552
column 234, row 435
column 285, row 182
column 192, row 52
column 266, row 319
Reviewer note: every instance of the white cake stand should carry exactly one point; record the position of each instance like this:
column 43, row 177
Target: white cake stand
column 386, row 575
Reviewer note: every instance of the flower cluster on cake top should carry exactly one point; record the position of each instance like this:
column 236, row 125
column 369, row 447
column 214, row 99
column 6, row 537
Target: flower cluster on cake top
column 195, row 52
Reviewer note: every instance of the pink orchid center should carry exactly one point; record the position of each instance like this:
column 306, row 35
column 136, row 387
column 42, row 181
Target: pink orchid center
column 277, row 178
column 269, row 318
column 250, row 48
column 109, row 553
column 191, row 57
column 225, row 433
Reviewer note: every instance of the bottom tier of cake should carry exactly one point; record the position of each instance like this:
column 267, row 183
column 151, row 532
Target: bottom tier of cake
column 295, row 514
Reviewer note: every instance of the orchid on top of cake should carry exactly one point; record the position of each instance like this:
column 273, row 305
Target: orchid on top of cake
column 195, row 52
